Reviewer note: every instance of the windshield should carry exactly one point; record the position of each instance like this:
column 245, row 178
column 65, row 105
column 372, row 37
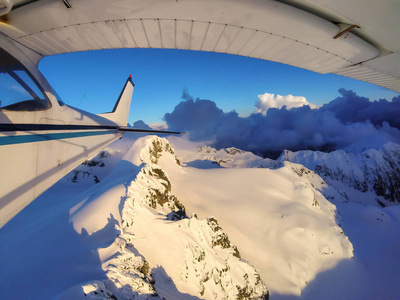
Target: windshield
column 18, row 90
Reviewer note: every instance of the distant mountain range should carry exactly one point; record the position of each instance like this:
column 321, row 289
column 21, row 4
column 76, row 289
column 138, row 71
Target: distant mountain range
column 374, row 172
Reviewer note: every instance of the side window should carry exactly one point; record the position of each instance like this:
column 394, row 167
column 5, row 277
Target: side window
column 18, row 90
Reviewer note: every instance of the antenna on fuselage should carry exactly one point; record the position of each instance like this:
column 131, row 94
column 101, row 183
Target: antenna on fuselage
column 81, row 99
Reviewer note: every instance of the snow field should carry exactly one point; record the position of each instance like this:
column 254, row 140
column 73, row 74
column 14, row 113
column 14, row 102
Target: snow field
column 281, row 224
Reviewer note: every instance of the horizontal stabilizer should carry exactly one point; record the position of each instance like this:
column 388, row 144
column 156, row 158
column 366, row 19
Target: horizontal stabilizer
column 120, row 113
column 129, row 129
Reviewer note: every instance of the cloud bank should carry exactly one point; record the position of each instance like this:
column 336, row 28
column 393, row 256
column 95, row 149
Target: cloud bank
column 349, row 121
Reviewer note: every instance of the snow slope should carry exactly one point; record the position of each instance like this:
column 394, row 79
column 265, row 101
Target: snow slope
column 373, row 230
column 288, row 228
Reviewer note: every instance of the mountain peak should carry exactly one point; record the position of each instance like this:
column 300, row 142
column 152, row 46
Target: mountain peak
column 154, row 148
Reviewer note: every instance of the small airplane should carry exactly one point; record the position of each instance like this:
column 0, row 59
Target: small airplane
column 41, row 138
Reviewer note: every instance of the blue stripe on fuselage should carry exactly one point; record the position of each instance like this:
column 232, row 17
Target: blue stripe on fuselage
column 31, row 138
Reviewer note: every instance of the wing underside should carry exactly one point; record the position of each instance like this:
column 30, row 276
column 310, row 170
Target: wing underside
column 314, row 35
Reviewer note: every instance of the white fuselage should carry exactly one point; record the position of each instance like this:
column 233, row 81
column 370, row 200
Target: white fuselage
column 38, row 147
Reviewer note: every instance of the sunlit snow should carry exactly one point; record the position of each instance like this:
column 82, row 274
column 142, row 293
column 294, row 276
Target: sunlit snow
column 153, row 217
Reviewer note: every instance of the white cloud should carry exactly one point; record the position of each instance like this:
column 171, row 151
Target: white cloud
column 267, row 101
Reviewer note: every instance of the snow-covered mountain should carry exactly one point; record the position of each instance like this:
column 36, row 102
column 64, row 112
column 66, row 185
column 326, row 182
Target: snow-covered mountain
column 170, row 219
column 372, row 176
column 191, row 255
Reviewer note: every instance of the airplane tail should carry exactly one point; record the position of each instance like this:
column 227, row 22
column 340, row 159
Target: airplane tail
column 120, row 112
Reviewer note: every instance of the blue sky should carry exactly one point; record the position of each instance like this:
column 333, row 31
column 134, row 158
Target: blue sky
column 93, row 80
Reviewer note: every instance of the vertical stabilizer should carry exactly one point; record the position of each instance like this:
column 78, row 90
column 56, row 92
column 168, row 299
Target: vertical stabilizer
column 120, row 111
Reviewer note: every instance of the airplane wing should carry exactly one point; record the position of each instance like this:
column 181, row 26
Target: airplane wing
column 358, row 39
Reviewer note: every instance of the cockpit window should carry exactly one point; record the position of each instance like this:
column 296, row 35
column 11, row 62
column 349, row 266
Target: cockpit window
column 18, row 89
